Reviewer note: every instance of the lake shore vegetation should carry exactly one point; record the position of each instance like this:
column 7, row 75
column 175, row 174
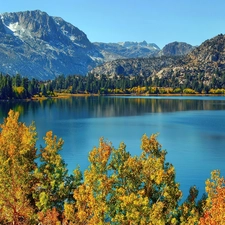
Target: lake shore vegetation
column 19, row 87
column 116, row 188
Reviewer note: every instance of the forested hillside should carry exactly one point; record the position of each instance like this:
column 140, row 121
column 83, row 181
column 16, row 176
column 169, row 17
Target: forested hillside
column 18, row 87
column 116, row 188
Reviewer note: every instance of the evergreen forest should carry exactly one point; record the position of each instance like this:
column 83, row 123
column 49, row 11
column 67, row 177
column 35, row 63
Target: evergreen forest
column 19, row 87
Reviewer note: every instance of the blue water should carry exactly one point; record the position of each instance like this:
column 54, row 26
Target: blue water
column 191, row 129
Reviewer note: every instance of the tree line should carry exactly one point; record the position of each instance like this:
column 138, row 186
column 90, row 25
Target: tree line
column 120, row 84
column 19, row 87
column 116, row 188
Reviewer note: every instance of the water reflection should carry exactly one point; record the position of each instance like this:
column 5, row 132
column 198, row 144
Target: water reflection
column 83, row 107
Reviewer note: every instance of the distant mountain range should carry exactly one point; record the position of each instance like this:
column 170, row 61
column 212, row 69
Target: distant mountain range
column 204, row 64
column 112, row 51
column 34, row 44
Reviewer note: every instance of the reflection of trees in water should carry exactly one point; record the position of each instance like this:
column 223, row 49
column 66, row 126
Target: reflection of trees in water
column 18, row 106
column 103, row 106
column 23, row 107
column 110, row 106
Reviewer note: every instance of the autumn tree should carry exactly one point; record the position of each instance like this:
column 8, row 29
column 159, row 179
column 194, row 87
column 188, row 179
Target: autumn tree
column 214, row 211
column 54, row 184
column 91, row 204
column 190, row 211
column 17, row 155
column 121, row 189
column 50, row 217
column 117, row 188
column 145, row 191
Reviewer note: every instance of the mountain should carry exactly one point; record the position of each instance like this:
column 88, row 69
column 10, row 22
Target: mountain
column 133, row 58
column 176, row 49
column 206, row 60
column 128, row 49
column 202, row 64
column 35, row 44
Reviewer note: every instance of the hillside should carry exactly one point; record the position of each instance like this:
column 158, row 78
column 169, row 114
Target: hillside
column 37, row 45
column 203, row 63
column 136, row 66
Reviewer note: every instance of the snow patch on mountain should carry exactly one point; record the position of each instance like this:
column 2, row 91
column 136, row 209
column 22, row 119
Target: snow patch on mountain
column 19, row 30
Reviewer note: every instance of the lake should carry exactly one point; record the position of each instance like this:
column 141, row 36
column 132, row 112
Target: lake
column 191, row 129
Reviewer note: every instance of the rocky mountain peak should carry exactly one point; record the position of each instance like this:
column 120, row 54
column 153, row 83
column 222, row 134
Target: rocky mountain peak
column 50, row 46
column 145, row 44
column 40, row 25
column 35, row 44
column 176, row 49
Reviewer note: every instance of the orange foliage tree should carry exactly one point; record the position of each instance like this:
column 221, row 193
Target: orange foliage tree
column 214, row 213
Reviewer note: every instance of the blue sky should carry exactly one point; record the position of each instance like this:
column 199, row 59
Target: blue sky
column 159, row 22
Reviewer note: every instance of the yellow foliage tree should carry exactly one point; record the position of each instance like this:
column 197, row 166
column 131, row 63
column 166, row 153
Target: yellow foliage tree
column 117, row 188
column 189, row 212
column 91, row 197
column 121, row 189
column 145, row 191
column 17, row 155
column 54, row 184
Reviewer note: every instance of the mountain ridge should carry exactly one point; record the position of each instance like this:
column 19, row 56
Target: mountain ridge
column 50, row 45
column 37, row 45
column 127, row 49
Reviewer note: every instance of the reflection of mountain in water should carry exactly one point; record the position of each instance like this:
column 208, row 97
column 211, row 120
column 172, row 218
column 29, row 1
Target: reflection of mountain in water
column 85, row 107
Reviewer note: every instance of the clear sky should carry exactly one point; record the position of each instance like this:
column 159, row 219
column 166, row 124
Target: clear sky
column 155, row 21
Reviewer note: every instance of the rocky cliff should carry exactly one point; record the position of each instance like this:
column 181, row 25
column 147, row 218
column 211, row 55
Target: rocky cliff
column 35, row 44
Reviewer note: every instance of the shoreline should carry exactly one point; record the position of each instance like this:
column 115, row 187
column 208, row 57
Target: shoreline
column 68, row 95
column 131, row 95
